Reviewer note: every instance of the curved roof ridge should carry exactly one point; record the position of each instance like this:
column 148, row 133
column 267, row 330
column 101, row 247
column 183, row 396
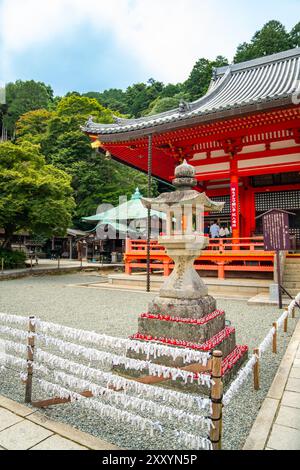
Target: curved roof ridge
column 267, row 59
column 212, row 90
column 233, row 86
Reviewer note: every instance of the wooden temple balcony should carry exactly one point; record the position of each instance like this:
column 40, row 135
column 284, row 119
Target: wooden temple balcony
column 221, row 255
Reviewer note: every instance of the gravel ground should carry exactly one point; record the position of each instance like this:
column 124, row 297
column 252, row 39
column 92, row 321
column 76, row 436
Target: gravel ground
column 60, row 299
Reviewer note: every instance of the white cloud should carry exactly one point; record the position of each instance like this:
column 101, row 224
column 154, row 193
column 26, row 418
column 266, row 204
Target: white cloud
column 165, row 36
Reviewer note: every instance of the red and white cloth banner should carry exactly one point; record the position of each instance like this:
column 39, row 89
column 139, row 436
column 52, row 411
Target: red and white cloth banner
column 234, row 205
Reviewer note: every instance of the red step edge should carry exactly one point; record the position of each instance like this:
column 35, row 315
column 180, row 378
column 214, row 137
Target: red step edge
column 191, row 321
column 229, row 361
column 212, row 343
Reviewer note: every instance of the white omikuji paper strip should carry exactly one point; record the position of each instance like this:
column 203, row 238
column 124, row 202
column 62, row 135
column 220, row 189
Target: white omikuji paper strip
column 14, row 319
column 147, row 348
column 194, row 442
column 172, row 397
column 264, row 345
column 106, row 358
column 14, row 333
column 17, row 348
column 6, row 360
column 240, row 379
column 105, row 411
column 294, row 303
column 134, row 404
column 281, row 319
column 9, row 361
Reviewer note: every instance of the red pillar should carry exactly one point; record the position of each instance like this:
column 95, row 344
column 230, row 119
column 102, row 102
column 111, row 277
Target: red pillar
column 247, row 209
column 234, row 199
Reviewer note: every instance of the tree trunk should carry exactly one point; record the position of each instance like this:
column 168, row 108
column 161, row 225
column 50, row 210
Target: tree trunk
column 8, row 234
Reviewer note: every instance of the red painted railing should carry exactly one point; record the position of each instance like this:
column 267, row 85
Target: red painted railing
column 221, row 255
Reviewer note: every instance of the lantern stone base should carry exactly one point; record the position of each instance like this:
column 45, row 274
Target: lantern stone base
column 227, row 375
column 227, row 345
column 181, row 331
column 184, row 308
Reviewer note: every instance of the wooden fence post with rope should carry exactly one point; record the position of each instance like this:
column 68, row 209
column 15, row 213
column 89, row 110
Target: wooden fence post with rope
column 216, row 398
column 256, row 370
column 30, row 357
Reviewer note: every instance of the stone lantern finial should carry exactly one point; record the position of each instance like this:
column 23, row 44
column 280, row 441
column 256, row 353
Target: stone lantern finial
column 184, row 176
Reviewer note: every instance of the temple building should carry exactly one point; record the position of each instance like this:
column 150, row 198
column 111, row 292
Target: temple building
column 242, row 137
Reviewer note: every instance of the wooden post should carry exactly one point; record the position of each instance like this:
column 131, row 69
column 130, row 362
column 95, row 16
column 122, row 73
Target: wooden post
column 216, row 398
column 293, row 312
column 30, row 357
column 256, row 370
column 275, row 338
column 148, row 288
column 279, row 279
column 285, row 324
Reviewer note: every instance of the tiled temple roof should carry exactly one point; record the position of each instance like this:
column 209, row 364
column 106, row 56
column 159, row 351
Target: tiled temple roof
column 255, row 82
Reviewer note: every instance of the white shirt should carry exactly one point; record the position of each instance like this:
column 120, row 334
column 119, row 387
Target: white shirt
column 214, row 231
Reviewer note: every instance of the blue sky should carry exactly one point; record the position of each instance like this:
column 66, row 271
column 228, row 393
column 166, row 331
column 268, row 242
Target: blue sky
column 89, row 45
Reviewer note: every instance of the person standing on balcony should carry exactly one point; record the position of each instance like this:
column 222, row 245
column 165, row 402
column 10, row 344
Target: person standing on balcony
column 214, row 230
column 224, row 232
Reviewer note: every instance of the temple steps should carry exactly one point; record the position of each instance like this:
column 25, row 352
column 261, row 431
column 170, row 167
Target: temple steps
column 291, row 277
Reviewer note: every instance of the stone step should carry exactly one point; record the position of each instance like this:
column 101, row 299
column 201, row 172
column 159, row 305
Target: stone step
column 292, row 277
column 195, row 331
column 293, row 292
column 224, row 341
column 291, row 285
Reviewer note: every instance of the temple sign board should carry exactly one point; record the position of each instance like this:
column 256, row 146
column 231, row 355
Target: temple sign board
column 277, row 238
column 276, row 230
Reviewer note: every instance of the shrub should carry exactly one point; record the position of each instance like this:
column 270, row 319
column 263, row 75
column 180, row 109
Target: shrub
column 13, row 259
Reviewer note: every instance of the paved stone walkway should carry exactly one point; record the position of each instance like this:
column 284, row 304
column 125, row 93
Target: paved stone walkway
column 47, row 266
column 277, row 426
column 22, row 428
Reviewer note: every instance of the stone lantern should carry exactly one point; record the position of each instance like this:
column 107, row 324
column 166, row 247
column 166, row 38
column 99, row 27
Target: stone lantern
column 183, row 292
column 183, row 314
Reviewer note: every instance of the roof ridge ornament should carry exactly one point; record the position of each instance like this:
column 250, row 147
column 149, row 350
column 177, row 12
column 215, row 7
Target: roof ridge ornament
column 90, row 122
column 184, row 106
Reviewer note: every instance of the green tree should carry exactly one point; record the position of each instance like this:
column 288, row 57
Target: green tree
column 22, row 97
column 83, row 107
column 140, row 95
column 33, row 125
column 114, row 99
column 170, row 90
column 95, row 179
column 198, row 82
column 295, row 35
column 272, row 38
column 33, row 196
column 161, row 105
